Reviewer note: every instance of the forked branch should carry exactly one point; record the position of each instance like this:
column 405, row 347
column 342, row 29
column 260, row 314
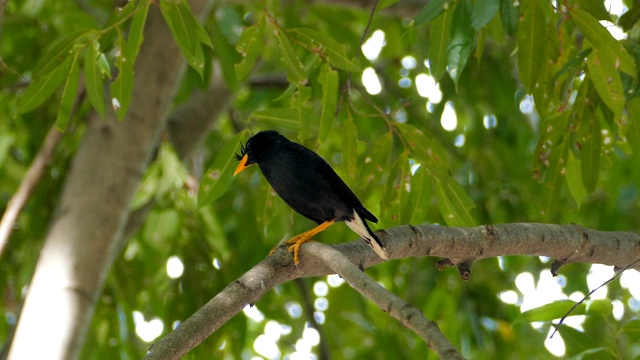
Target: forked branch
column 462, row 246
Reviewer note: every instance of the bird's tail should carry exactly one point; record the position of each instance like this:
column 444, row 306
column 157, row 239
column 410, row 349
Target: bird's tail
column 360, row 227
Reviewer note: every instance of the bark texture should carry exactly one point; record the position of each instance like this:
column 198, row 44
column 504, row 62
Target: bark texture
column 460, row 246
column 82, row 241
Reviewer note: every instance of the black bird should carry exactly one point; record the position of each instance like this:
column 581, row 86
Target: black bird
column 309, row 186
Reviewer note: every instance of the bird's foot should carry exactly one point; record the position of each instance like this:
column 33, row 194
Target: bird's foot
column 296, row 242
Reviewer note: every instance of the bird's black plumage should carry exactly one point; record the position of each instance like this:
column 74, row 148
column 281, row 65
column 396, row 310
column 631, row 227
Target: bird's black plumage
column 308, row 184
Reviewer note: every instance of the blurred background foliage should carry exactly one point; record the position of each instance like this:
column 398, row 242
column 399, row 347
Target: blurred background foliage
column 459, row 112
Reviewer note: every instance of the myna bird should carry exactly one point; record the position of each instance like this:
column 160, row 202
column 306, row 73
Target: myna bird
column 309, row 186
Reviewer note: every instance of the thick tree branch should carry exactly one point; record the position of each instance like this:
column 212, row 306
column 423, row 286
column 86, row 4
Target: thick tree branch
column 568, row 243
column 407, row 314
column 191, row 121
column 83, row 238
column 187, row 125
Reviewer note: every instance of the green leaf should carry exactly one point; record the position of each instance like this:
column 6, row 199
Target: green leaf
column 284, row 118
column 551, row 311
column 69, row 93
column 612, row 52
column 575, row 341
column 201, row 34
column 41, row 89
column 420, row 186
column 173, row 172
column 103, row 65
column 148, row 187
column 431, row 11
column 552, row 131
column 634, row 50
column 120, row 16
column 413, row 197
column 600, row 307
column 383, row 4
column 250, row 46
column 630, row 18
column 122, row 86
column 7, row 139
column 389, row 210
column 163, row 225
column 427, row 151
column 93, row 80
column 594, row 7
column 462, row 41
column 405, row 196
column 272, row 213
column 633, row 131
column 554, row 176
column 350, row 147
column 310, row 64
column 374, row 166
column 575, row 63
column 218, row 177
column 301, row 98
column 598, row 353
column 293, row 66
column 56, row 55
column 632, row 328
column 187, row 32
column 178, row 22
column 136, row 29
column 454, row 203
column 481, row 42
column 439, row 38
column 510, row 15
column 226, row 55
column 544, row 86
column 606, row 80
column 329, row 80
column 531, row 41
column 483, row 12
column 591, row 145
column 574, row 179
column 333, row 50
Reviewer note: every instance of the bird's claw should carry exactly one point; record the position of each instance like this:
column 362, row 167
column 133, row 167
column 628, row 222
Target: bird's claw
column 295, row 243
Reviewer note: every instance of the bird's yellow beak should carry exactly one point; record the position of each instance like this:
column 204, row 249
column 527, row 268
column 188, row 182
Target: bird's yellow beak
column 243, row 165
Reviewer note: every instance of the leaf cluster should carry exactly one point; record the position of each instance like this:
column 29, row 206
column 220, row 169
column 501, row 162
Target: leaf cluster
column 296, row 67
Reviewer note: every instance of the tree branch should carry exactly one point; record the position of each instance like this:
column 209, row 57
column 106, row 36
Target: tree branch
column 83, row 238
column 567, row 243
column 407, row 314
column 28, row 184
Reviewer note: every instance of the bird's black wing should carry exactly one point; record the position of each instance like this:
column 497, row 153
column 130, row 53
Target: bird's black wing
column 340, row 190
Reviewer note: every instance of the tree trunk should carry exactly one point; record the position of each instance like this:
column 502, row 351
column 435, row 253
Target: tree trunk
column 82, row 241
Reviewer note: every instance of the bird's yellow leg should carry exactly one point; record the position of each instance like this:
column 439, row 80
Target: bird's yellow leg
column 298, row 240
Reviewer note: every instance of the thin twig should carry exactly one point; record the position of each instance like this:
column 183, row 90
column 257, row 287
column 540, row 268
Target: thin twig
column 615, row 276
column 347, row 84
column 28, row 184
column 366, row 29
column 309, row 310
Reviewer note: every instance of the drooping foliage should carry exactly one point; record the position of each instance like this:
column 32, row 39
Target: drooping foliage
column 488, row 111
